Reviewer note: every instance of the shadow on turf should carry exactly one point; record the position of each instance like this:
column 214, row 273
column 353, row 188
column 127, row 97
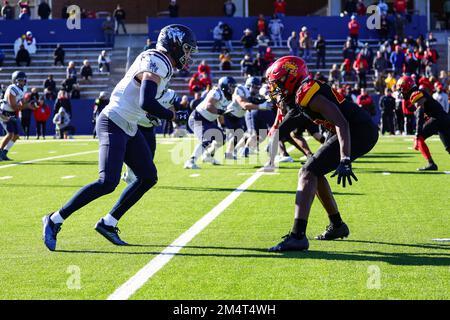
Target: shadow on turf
column 400, row 172
column 62, row 163
column 412, row 259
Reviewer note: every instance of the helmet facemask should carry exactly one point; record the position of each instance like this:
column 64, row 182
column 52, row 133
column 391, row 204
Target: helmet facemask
column 186, row 61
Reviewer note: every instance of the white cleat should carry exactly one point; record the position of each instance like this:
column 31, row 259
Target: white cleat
column 209, row 159
column 190, row 164
column 284, row 159
column 267, row 168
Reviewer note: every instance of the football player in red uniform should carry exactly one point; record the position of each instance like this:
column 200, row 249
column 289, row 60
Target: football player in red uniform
column 355, row 135
column 431, row 119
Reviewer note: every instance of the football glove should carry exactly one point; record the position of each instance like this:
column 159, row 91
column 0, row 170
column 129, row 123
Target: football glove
column 154, row 121
column 344, row 172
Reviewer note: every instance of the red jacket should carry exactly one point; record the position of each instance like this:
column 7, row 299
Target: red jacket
column 353, row 27
column 400, row 6
column 360, row 64
column 204, row 68
column 42, row 113
column 364, row 100
column 279, row 7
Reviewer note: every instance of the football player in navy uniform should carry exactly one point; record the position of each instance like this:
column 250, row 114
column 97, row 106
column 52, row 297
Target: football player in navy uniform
column 13, row 101
column 119, row 138
column 355, row 135
column 236, row 111
column 431, row 119
column 203, row 122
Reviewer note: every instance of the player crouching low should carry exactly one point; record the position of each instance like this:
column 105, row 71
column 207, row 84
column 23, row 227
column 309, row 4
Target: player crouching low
column 355, row 135
column 203, row 122
column 431, row 119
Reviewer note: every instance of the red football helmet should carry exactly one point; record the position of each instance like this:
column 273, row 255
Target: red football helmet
column 285, row 75
column 405, row 84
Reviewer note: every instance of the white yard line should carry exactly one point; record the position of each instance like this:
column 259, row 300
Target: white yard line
column 49, row 158
column 126, row 290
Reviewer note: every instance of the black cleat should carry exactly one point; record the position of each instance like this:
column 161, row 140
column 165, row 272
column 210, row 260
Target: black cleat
column 291, row 243
column 110, row 233
column 430, row 167
column 332, row 232
column 4, row 155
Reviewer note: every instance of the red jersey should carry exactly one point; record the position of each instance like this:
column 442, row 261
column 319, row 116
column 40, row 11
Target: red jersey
column 353, row 27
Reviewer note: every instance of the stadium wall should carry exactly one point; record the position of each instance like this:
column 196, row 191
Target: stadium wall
column 333, row 28
column 52, row 31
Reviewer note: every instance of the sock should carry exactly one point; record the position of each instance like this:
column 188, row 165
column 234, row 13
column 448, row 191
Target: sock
column 197, row 152
column 335, row 219
column 9, row 145
column 299, row 228
column 109, row 220
column 424, row 150
column 56, row 217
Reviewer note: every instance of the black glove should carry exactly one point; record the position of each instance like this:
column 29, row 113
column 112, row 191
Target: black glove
column 344, row 171
column 182, row 116
column 154, row 121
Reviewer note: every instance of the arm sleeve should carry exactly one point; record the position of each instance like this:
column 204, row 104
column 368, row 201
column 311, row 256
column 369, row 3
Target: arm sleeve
column 148, row 102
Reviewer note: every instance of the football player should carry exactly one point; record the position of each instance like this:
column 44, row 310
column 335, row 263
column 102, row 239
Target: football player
column 203, row 122
column 14, row 100
column 431, row 119
column 235, row 113
column 355, row 135
column 119, row 138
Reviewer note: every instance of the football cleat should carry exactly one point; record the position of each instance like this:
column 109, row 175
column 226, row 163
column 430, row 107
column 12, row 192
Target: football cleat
column 244, row 152
column 110, row 233
column 267, row 168
column 285, row 159
column 430, row 167
column 4, row 155
column 291, row 243
column 332, row 232
column 210, row 159
column 49, row 232
column 230, row 156
column 190, row 164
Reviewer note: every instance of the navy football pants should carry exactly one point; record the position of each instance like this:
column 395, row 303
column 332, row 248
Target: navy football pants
column 116, row 147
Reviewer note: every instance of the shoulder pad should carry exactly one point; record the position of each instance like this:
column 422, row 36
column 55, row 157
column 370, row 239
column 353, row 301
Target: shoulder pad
column 306, row 91
column 155, row 62
column 416, row 96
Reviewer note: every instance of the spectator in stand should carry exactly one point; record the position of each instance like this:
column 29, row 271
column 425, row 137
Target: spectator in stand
column 353, row 31
column 400, row 6
column 259, row 65
column 64, row 13
column 408, row 113
column 368, row 54
column 383, row 32
column 62, row 123
column 75, row 93
column 269, row 57
column 431, row 40
column 365, row 102
column 447, row 14
column 104, row 62
column 276, row 29
column 44, row 10
column 108, row 30
column 347, row 71
column 390, row 81
column 400, row 23
column 100, row 103
column 71, row 72
column 7, row 11
column 247, row 66
column 227, row 36
column 412, row 65
column 49, row 94
column 441, row 96
column 349, row 51
column 379, row 65
column 225, row 60
column 23, row 56
column 305, row 43
column 248, row 41
column 263, row 42
column 204, row 71
column 319, row 77
column 387, row 108
column 58, row 55
column 24, row 14
column 443, row 78
column 62, row 101
column 383, row 7
column 261, row 24
column 173, row 9
column 25, row 114
column 279, row 8
column 335, row 76
column 41, row 115
column 350, row 7
column 399, row 120
column 321, row 49
column 361, row 68
column 293, row 44
column 217, row 36
column 50, row 83
column 361, row 9
column 195, row 83
column 86, row 72
column 148, row 45
column 229, row 8
column 119, row 17
column 397, row 60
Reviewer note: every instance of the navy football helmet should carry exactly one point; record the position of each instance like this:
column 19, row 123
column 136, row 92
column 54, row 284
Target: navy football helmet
column 17, row 76
column 227, row 85
column 179, row 42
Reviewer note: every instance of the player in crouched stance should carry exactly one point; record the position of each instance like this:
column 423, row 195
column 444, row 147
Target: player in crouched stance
column 119, row 138
column 355, row 135
column 203, row 122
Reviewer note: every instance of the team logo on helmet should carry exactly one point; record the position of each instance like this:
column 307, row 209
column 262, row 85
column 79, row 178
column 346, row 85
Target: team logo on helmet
column 291, row 67
column 175, row 34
